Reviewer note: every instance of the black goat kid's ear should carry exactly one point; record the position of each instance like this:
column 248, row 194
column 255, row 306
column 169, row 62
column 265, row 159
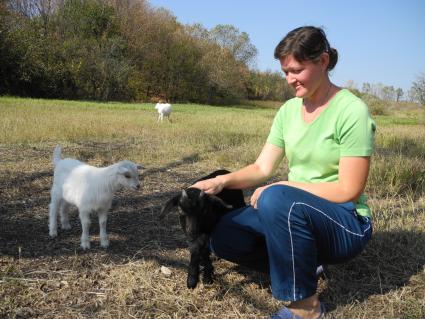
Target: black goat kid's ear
column 169, row 206
column 218, row 201
column 184, row 195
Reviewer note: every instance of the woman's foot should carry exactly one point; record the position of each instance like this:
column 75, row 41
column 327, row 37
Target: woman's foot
column 309, row 308
column 286, row 313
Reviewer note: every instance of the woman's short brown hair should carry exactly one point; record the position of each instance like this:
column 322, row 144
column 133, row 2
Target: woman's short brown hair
column 306, row 44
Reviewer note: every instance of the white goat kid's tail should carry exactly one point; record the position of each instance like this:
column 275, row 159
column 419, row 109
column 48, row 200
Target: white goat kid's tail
column 57, row 155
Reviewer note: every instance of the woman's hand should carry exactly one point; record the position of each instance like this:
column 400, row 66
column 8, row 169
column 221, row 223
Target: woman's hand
column 210, row 186
column 256, row 195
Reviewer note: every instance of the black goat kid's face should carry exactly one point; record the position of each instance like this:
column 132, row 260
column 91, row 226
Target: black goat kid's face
column 193, row 209
column 192, row 201
column 197, row 211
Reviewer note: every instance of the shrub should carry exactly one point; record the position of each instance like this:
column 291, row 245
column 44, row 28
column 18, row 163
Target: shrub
column 376, row 105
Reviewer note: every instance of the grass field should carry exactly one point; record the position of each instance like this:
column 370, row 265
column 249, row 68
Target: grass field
column 45, row 278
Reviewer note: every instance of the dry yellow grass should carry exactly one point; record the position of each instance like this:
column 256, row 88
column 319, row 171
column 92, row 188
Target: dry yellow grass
column 43, row 278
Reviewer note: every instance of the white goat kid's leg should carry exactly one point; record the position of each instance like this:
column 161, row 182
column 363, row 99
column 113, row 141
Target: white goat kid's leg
column 64, row 215
column 85, row 225
column 104, row 241
column 53, row 213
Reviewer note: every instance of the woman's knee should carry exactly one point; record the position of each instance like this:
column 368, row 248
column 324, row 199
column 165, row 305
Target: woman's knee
column 232, row 244
column 236, row 234
column 274, row 202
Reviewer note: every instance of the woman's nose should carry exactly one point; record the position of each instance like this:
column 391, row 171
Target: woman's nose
column 290, row 79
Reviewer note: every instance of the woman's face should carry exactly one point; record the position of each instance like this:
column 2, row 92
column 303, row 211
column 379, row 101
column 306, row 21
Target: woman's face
column 306, row 76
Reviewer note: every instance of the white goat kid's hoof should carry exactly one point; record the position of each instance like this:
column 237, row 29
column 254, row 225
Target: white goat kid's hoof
column 53, row 233
column 66, row 226
column 85, row 244
column 104, row 243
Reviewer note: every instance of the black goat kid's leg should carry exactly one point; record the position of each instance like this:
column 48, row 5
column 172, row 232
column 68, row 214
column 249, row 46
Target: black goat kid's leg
column 208, row 273
column 193, row 269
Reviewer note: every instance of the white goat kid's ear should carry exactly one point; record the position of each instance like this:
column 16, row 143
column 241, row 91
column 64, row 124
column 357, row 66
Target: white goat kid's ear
column 123, row 170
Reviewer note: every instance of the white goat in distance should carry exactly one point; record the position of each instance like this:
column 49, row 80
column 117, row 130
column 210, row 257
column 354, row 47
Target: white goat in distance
column 90, row 189
column 164, row 109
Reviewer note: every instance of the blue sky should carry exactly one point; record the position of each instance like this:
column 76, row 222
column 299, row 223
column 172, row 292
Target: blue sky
column 377, row 41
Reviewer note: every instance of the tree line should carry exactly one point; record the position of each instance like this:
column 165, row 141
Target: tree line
column 389, row 93
column 127, row 51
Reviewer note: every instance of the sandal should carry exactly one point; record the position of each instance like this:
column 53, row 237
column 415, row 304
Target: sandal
column 285, row 313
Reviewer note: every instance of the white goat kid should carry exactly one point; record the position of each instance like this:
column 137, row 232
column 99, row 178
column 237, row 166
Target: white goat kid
column 90, row 189
column 164, row 109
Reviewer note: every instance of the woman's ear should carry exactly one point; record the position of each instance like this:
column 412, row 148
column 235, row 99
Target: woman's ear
column 324, row 60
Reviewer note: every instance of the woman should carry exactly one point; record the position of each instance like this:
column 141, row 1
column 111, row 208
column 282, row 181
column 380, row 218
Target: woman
column 319, row 215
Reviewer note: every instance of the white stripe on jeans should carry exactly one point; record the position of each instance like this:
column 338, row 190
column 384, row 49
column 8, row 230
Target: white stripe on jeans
column 290, row 232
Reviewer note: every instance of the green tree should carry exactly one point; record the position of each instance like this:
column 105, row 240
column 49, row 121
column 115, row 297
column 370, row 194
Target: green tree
column 121, row 50
column 93, row 49
column 399, row 94
column 366, row 88
column 268, row 86
column 8, row 52
column 227, row 54
column 238, row 43
column 418, row 89
column 388, row 93
column 31, row 59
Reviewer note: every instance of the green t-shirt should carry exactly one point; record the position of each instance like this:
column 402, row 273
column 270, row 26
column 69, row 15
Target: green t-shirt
column 313, row 150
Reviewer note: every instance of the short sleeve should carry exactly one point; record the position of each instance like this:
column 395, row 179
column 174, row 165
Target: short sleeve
column 276, row 132
column 356, row 130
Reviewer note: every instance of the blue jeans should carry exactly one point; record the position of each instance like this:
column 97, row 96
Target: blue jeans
column 289, row 235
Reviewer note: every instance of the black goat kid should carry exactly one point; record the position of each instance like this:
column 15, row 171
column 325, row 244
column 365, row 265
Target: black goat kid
column 198, row 214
